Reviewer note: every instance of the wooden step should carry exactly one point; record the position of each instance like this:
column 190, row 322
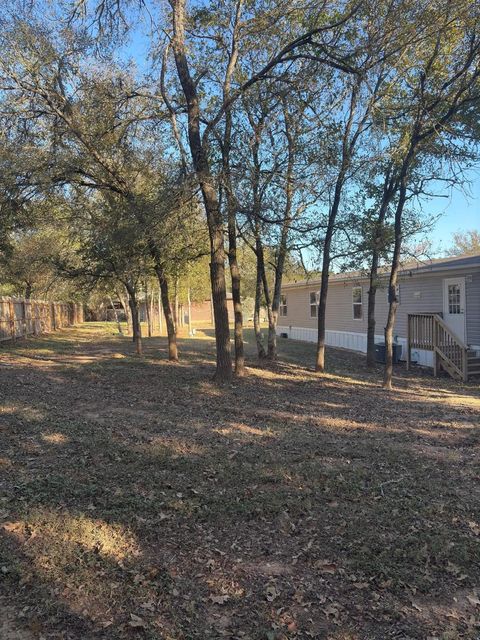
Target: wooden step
column 473, row 364
column 445, row 364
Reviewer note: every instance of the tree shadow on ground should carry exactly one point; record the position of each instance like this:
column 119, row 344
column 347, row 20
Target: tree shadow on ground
column 141, row 500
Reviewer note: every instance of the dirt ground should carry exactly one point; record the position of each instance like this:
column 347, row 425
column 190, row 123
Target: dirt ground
column 139, row 500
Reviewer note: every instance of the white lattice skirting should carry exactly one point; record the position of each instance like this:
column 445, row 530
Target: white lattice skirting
column 353, row 341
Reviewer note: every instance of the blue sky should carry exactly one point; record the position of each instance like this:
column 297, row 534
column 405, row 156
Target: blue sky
column 459, row 211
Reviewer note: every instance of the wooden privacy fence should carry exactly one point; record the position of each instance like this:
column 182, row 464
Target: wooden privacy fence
column 20, row 318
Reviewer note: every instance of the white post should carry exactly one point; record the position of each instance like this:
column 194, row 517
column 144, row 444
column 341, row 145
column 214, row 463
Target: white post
column 160, row 319
column 189, row 313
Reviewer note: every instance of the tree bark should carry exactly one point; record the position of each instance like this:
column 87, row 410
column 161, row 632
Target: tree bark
column 189, row 302
column 322, row 303
column 160, row 321
column 322, row 308
column 266, row 289
column 392, row 297
column 176, row 306
column 388, row 192
column 347, row 149
column 167, row 312
column 283, row 244
column 128, row 313
column 136, row 327
column 256, row 314
column 147, row 310
column 236, row 288
column 205, row 180
column 231, row 205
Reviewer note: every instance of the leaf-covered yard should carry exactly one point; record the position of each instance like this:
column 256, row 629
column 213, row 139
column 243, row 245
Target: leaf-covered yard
column 139, row 500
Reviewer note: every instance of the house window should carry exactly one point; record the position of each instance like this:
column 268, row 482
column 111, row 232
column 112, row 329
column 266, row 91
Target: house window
column 357, row 295
column 314, row 296
column 454, row 299
column 283, row 305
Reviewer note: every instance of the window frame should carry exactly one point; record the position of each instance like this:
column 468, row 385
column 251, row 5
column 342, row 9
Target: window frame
column 357, row 304
column 283, row 306
column 457, row 303
column 314, row 305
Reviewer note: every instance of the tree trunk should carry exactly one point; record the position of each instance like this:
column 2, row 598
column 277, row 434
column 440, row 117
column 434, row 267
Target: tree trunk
column 160, row 320
column 147, row 310
column 231, row 207
column 256, row 315
column 283, row 245
column 206, row 182
column 175, row 306
column 115, row 313
column 128, row 314
column 220, row 311
column 136, row 327
column 347, row 148
column 236, row 295
column 152, row 311
column 167, row 312
column 322, row 308
column 273, row 318
column 392, row 296
column 165, row 299
column 263, row 275
column 189, row 302
column 388, row 192
column 28, row 290
column 322, row 303
column 125, row 307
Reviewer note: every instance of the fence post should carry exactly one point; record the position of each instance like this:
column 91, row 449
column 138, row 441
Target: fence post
column 24, row 312
column 11, row 312
column 409, row 349
column 435, row 343
column 465, row 365
column 33, row 315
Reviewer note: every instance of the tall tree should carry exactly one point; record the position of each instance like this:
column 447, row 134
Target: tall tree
column 93, row 122
column 466, row 242
column 426, row 116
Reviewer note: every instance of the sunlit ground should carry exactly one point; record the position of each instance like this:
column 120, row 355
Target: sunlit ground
column 138, row 499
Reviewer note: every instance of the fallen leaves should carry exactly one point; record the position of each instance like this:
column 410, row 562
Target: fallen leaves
column 271, row 593
column 474, row 600
column 221, row 599
column 136, row 622
column 326, row 566
column 239, row 535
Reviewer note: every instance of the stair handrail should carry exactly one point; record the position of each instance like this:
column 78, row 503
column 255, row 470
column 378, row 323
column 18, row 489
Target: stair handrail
column 464, row 348
column 445, row 326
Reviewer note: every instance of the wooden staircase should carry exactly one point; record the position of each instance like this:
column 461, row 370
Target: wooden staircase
column 428, row 331
column 473, row 365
